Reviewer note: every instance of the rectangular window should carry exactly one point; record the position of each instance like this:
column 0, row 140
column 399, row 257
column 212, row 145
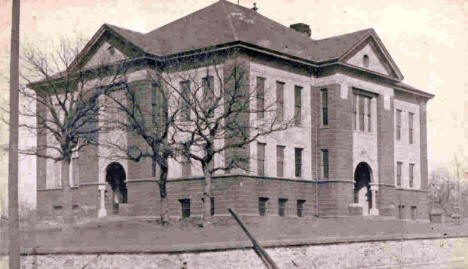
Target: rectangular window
column 355, row 102
column 361, row 113
column 410, row 127
column 398, row 124
column 208, row 95
column 369, row 114
column 298, row 104
column 324, row 99
column 185, row 206
column 212, row 206
column 411, row 175
column 298, row 161
column 398, row 175
column 186, row 167
column 280, row 100
column 261, row 159
column 280, row 161
column 185, row 100
column 282, row 206
column 75, row 180
column 325, row 163
column 262, row 206
column 414, row 212
column 401, row 211
column 300, row 208
column 260, row 97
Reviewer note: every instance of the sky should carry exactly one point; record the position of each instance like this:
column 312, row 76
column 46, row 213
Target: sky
column 428, row 39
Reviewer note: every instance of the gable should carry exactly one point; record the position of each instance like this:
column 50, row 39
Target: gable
column 374, row 63
column 378, row 59
column 105, row 53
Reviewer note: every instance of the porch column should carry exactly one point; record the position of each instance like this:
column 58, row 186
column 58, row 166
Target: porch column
column 374, row 211
column 102, row 206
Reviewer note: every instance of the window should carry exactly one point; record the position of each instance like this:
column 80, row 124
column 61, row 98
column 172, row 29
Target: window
column 186, row 167
column 261, row 159
column 365, row 60
column 369, row 114
column 280, row 161
column 282, row 206
column 300, row 208
column 185, row 205
column 411, row 175
column 212, row 210
column 410, row 127
column 414, row 212
column 361, row 113
column 208, row 95
column 398, row 175
column 297, row 104
column 75, row 167
column 280, row 100
column 262, row 206
column 355, row 102
column 298, row 162
column 325, row 163
column 185, row 100
column 398, row 124
column 324, row 93
column 401, row 211
column 260, row 97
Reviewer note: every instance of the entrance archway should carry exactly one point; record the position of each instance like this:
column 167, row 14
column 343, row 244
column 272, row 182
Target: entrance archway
column 115, row 176
column 362, row 190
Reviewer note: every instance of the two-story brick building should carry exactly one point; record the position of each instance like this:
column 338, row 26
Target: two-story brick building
column 361, row 141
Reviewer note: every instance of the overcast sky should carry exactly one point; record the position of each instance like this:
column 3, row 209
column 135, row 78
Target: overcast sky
column 428, row 39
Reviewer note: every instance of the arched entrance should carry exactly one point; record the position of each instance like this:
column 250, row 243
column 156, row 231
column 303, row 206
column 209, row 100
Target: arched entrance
column 115, row 176
column 362, row 188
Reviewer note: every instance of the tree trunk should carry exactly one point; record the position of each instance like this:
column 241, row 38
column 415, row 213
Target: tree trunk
column 207, row 197
column 13, row 216
column 163, row 194
column 67, row 200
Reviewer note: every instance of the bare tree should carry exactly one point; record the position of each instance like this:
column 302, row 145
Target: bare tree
column 220, row 115
column 443, row 191
column 66, row 97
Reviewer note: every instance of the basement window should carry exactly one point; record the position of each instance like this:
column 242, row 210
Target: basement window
column 185, row 206
column 282, row 206
column 300, row 207
column 262, row 206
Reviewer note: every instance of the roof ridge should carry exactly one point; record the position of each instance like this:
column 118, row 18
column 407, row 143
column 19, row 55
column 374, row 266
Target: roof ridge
column 342, row 35
column 229, row 20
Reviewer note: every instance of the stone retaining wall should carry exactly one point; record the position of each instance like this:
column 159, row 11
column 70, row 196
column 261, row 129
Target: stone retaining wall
column 420, row 253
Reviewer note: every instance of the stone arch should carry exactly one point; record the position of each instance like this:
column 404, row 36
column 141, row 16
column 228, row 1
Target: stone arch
column 116, row 177
column 362, row 186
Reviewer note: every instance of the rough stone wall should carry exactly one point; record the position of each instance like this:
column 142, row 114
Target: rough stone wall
column 425, row 253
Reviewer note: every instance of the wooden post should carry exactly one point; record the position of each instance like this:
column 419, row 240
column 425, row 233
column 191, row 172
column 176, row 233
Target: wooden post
column 258, row 249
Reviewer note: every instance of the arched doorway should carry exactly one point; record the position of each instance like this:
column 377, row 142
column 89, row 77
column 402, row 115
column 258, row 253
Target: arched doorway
column 115, row 176
column 362, row 191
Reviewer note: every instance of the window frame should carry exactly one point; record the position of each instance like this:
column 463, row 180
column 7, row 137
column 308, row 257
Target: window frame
column 297, row 105
column 280, row 100
column 325, row 163
column 300, row 207
column 260, row 97
column 280, row 160
column 261, row 151
column 399, row 113
column 410, row 128
column 298, row 162
column 185, row 88
column 324, row 101
column 185, row 207
column 399, row 168
column 411, row 167
column 282, row 206
column 262, row 205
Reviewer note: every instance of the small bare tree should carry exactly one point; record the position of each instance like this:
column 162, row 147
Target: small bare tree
column 220, row 115
column 443, row 192
column 65, row 103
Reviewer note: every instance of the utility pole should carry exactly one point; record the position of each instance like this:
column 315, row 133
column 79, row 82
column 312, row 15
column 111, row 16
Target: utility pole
column 13, row 215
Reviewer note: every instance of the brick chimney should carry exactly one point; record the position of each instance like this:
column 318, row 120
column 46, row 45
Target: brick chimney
column 301, row 28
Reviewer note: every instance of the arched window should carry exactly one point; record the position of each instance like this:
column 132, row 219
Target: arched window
column 365, row 60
